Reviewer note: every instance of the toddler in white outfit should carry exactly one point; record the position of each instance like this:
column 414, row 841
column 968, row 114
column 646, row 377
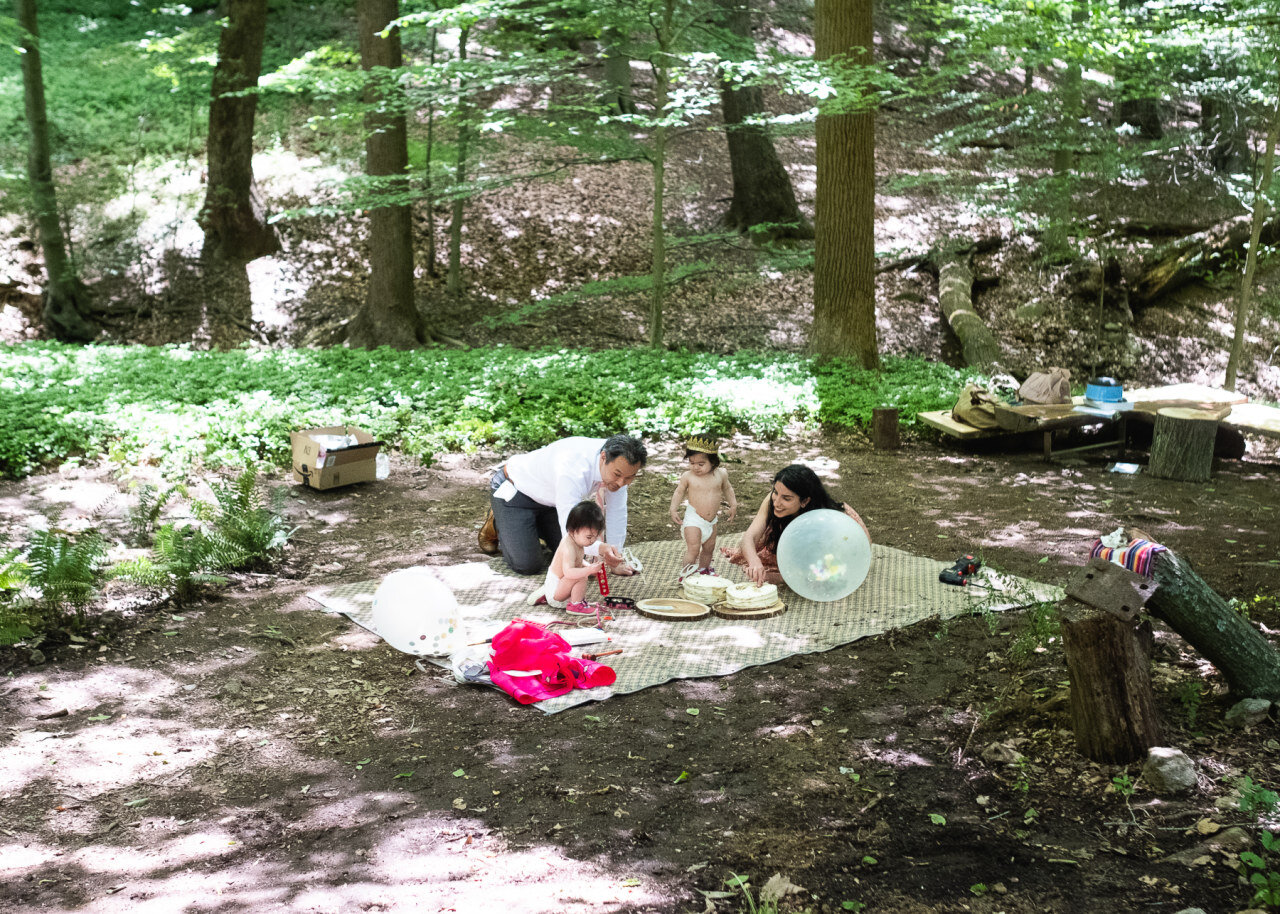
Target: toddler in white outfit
column 701, row 489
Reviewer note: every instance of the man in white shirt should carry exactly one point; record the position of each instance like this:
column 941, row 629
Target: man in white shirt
column 531, row 496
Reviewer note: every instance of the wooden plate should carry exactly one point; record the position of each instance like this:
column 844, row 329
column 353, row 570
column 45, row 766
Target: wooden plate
column 673, row 610
column 725, row 611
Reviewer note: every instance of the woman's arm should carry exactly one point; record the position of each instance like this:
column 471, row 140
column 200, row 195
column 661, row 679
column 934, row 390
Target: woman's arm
column 854, row 514
column 755, row 569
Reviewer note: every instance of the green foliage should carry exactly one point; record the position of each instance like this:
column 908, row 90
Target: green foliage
column 1264, row 879
column 1256, row 799
column 1190, row 694
column 66, row 572
column 145, row 512
column 1123, row 784
column 246, row 529
column 237, row 530
column 849, row 393
column 175, row 407
column 15, row 624
column 763, row 906
column 184, row 559
column 1041, row 626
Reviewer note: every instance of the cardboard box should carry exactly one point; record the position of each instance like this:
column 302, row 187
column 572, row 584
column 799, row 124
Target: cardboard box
column 328, row 468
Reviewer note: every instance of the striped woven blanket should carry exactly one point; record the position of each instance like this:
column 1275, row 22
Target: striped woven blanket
column 1137, row 556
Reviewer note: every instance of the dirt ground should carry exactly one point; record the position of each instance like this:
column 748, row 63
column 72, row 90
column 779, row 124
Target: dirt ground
column 247, row 752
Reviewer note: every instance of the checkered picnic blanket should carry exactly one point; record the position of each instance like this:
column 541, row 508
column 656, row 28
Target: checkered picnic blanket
column 900, row 590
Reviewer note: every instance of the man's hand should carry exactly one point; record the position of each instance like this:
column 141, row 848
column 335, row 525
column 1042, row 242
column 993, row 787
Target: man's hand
column 610, row 555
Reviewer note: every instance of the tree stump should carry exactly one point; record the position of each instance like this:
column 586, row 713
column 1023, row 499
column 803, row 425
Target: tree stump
column 1208, row 623
column 884, row 429
column 1113, row 710
column 1182, row 446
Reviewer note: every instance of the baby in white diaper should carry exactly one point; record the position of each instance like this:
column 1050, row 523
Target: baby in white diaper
column 701, row 490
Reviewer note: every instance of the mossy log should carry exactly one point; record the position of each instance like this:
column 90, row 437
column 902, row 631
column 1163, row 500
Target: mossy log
column 955, row 295
column 1196, row 255
column 1249, row 663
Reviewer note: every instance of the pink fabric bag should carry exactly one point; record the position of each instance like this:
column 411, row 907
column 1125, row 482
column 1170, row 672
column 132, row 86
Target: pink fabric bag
column 528, row 647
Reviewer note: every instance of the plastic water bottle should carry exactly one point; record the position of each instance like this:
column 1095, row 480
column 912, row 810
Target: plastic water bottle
column 382, row 466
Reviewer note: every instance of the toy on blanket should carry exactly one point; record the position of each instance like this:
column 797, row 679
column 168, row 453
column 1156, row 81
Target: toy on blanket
column 824, row 555
column 416, row 612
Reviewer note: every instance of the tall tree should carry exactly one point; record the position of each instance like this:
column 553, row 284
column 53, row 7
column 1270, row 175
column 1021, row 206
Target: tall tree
column 1261, row 208
column 453, row 279
column 390, row 316
column 65, row 298
column 762, row 191
column 234, row 227
column 844, row 274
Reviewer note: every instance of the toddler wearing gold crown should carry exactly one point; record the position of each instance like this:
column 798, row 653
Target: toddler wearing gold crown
column 701, row 490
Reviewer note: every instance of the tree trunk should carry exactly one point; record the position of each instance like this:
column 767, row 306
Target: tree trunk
column 453, row 277
column 1222, row 123
column 955, row 295
column 65, row 299
column 427, row 179
column 844, row 275
column 661, row 87
column 1260, row 207
column 390, row 316
column 762, row 191
column 1250, row 664
column 232, row 220
column 1182, row 446
column 1113, row 712
column 617, row 71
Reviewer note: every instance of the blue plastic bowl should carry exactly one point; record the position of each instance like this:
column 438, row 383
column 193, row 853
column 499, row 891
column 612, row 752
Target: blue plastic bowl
column 1104, row 390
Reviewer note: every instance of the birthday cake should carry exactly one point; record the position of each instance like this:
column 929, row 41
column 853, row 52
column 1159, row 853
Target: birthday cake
column 705, row 588
column 751, row 596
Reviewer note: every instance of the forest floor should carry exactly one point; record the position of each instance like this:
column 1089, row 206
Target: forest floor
column 248, row 752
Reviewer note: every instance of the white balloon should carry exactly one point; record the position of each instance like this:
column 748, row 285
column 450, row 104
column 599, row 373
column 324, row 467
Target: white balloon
column 824, row 555
column 415, row 612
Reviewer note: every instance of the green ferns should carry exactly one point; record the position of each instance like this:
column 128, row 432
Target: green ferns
column 14, row 622
column 239, row 530
column 66, row 572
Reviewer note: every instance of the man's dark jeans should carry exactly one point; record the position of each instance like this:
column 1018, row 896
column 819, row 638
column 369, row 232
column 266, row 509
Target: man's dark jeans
column 521, row 522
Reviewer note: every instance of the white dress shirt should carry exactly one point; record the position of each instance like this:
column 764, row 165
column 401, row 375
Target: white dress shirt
column 566, row 472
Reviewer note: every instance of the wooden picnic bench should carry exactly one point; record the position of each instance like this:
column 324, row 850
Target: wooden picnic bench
column 1142, row 404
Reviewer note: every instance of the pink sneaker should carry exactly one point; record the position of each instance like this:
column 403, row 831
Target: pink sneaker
column 581, row 608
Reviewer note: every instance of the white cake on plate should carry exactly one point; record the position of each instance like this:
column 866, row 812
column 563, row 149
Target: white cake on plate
column 751, row 596
column 705, row 588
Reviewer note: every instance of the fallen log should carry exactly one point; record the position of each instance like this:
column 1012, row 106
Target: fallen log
column 1191, row 257
column 955, row 295
column 1249, row 663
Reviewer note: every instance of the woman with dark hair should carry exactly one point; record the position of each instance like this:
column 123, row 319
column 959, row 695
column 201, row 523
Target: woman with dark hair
column 796, row 490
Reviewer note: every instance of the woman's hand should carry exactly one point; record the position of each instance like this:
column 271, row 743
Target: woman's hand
column 755, row 572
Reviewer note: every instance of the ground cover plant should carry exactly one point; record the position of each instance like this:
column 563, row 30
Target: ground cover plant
column 173, row 405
